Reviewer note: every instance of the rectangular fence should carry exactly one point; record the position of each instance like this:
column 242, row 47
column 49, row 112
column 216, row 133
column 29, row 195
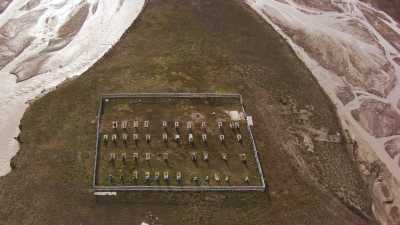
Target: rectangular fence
column 99, row 188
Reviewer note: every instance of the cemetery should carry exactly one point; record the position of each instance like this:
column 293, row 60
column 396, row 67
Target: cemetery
column 175, row 142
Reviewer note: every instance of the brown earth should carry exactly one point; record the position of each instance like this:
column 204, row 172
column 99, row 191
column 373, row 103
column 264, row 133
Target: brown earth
column 345, row 94
column 377, row 118
column 391, row 7
column 75, row 22
column 190, row 46
column 392, row 147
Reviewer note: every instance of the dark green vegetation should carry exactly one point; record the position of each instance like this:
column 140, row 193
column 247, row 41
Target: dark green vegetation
column 191, row 46
column 156, row 110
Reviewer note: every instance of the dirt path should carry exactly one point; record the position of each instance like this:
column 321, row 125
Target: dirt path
column 192, row 46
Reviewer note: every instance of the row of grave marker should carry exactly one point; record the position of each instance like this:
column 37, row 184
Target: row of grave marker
column 177, row 138
column 164, row 124
column 165, row 156
column 166, row 177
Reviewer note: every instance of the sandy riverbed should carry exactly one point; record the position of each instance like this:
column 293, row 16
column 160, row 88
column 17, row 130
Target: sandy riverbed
column 351, row 48
column 43, row 42
column 341, row 46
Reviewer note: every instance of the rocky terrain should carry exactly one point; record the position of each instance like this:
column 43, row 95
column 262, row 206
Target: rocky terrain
column 353, row 49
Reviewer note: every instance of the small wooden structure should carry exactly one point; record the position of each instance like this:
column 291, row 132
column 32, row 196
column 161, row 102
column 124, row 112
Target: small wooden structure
column 205, row 156
column 112, row 157
column 224, row 156
column 135, row 175
column 148, row 138
column 157, row 176
column 135, row 124
column 227, row 179
column 105, row 139
column 177, row 138
column 147, row 175
column 190, row 138
column 178, row 176
column 203, row 125
column 124, row 124
column 135, row 156
column 221, row 138
column 166, row 175
column 204, row 138
column 147, row 156
column 114, row 124
column 114, row 138
column 189, row 125
column 123, row 157
column 165, row 137
column 125, row 138
column 216, row 177
column 239, row 138
column 193, row 156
